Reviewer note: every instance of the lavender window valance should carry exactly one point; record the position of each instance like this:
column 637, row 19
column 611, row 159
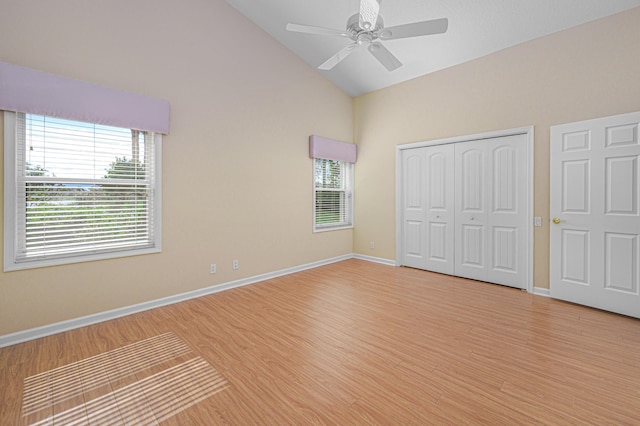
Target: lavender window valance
column 330, row 149
column 37, row 92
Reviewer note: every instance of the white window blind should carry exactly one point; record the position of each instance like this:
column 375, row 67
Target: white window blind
column 82, row 189
column 333, row 199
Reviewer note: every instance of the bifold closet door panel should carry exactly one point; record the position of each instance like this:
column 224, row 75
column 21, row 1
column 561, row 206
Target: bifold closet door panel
column 491, row 217
column 507, row 216
column 470, row 238
column 440, row 208
column 427, row 197
column 413, row 197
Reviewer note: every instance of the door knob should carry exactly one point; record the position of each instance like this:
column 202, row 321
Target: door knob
column 556, row 220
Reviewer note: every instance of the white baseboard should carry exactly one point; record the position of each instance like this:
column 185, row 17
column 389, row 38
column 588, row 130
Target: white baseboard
column 375, row 259
column 58, row 327
column 542, row 291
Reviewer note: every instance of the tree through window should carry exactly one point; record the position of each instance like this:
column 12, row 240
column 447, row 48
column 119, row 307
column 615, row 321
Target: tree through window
column 333, row 194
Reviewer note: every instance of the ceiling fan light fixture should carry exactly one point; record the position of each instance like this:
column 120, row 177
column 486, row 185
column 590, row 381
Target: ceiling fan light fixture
column 364, row 38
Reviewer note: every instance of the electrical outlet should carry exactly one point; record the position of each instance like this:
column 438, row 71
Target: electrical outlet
column 372, row 245
column 212, row 268
column 236, row 265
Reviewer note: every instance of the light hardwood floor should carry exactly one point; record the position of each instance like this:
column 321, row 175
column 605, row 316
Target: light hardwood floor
column 348, row 343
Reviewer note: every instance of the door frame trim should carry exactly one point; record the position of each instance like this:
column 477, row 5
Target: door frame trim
column 527, row 131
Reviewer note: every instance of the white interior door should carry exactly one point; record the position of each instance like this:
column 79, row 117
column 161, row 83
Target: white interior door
column 427, row 194
column 491, row 221
column 595, row 206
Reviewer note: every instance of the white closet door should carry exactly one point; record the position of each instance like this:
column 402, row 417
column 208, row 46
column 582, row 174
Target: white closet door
column 440, row 205
column 491, row 216
column 471, row 210
column 427, row 197
column 507, row 219
column 464, row 209
column 414, row 206
column 595, row 201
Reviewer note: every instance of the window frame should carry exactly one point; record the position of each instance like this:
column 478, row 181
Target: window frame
column 11, row 191
column 348, row 190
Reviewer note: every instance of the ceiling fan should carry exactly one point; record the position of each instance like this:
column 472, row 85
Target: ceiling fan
column 366, row 28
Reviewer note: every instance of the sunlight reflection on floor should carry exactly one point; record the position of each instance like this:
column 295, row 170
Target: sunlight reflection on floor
column 143, row 383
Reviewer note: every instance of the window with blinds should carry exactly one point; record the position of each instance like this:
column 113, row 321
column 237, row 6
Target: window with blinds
column 333, row 194
column 82, row 191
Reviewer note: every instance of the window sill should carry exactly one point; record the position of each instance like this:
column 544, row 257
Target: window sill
column 18, row 266
column 331, row 228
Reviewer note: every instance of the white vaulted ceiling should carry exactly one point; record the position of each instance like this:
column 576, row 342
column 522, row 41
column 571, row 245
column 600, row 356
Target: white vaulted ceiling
column 476, row 28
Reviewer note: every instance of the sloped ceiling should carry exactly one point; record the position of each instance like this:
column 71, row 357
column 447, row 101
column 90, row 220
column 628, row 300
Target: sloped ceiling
column 476, row 28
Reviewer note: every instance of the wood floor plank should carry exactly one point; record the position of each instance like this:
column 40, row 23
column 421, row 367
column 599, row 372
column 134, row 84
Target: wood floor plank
column 348, row 343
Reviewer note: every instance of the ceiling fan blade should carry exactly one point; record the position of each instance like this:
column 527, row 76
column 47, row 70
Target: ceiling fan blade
column 338, row 57
column 385, row 57
column 316, row 30
column 369, row 10
column 416, row 29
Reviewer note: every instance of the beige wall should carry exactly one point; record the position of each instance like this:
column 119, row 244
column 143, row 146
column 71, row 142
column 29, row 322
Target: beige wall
column 586, row 72
column 237, row 177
